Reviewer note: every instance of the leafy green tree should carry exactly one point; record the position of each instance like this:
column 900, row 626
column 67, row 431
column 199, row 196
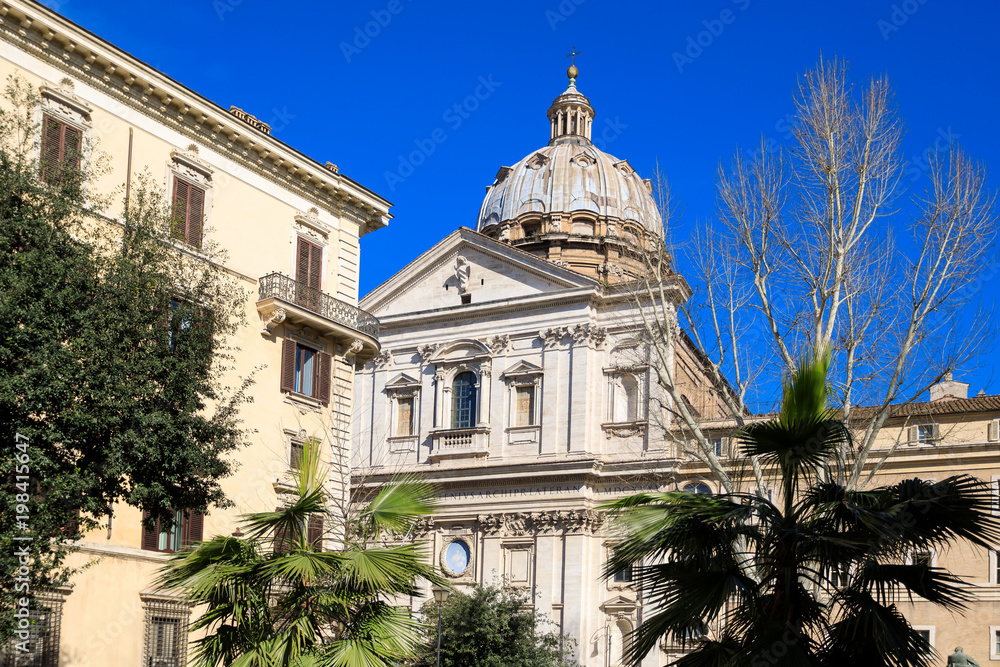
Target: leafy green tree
column 274, row 598
column 493, row 626
column 112, row 356
column 811, row 579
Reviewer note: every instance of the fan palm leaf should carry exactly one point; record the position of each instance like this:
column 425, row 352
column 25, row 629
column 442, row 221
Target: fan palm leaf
column 812, row 579
column 272, row 599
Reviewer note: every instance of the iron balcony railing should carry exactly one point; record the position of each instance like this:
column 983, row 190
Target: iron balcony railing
column 278, row 286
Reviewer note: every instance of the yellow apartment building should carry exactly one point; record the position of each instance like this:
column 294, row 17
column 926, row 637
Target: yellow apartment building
column 290, row 227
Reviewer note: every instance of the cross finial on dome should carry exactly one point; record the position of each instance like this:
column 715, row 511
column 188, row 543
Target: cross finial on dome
column 573, row 72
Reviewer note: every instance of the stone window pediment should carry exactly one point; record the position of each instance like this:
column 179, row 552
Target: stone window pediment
column 63, row 104
column 402, row 382
column 460, row 351
column 522, row 370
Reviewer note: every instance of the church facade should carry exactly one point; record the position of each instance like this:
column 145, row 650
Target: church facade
column 510, row 375
column 519, row 387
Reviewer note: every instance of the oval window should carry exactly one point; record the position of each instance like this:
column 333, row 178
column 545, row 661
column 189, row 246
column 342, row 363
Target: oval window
column 456, row 556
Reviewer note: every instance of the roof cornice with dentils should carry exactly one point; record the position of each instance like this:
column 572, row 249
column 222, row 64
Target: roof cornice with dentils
column 78, row 52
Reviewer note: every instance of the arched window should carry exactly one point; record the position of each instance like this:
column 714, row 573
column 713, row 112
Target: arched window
column 463, row 400
column 698, row 487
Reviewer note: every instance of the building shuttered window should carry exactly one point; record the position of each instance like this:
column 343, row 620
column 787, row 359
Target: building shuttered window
column 62, row 147
column 308, row 274
column 188, row 212
column 305, row 371
column 188, row 528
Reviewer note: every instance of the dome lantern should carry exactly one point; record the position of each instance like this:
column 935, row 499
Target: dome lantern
column 573, row 204
column 570, row 116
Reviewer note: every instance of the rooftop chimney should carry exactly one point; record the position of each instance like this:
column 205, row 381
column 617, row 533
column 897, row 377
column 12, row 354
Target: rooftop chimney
column 947, row 388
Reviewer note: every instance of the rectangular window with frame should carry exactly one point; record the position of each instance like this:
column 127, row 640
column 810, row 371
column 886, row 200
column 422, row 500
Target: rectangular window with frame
column 717, row 445
column 404, row 415
column 187, row 528
column 524, row 402
column 623, row 575
column 922, row 557
column 295, row 454
column 164, row 645
column 305, row 371
column 62, row 148
column 188, row 212
column 165, row 634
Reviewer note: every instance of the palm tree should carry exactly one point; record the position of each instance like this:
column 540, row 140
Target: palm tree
column 273, row 598
column 811, row 579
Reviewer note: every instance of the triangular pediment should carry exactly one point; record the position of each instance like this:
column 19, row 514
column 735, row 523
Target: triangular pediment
column 618, row 603
column 402, row 380
column 468, row 268
column 522, row 368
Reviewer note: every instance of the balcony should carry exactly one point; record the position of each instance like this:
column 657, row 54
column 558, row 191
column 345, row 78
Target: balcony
column 282, row 299
column 460, row 443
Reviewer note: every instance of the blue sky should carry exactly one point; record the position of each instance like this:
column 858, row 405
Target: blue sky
column 365, row 84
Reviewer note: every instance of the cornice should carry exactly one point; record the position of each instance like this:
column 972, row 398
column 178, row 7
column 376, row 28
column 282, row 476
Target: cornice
column 66, row 46
column 580, row 297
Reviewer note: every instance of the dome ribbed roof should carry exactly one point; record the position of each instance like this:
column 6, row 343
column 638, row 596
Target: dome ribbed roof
column 570, row 176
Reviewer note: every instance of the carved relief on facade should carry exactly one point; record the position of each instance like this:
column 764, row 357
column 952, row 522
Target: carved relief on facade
column 424, row 526
column 552, row 336
column 427, row 352
column 270, row 319
column 61, row 102
column 383, row 359
column 521, row 524
column 498, row 344
column 355, row 347
column 611, row 269
column 308, row 225
column 188, row 166
column 589, row 334
column 463, row 274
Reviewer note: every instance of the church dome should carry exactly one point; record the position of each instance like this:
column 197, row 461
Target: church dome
column 571, row 202
column 566, row 178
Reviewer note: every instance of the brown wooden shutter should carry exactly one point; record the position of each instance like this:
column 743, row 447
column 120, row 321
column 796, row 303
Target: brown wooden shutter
column 316, row 532
column 309, row 263
column 193, row 528
column 302, row 264
column 51, row 142
column 324, row 379
column 315, row 263
column 287, row 365
column 178, row 224
column 72, row 145
column 150, row 536
column 282, row 540
column 196, row 215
